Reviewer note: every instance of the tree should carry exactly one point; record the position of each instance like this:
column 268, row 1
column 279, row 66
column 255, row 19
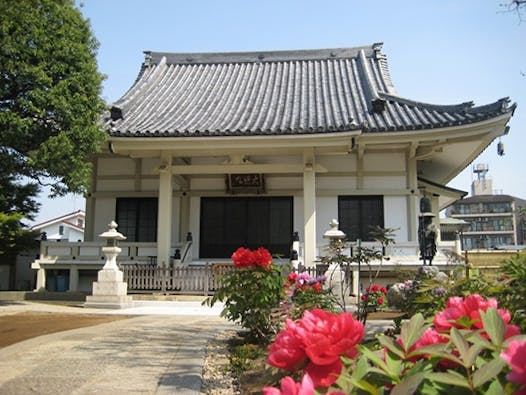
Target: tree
column 49, row 102
column 518, row 6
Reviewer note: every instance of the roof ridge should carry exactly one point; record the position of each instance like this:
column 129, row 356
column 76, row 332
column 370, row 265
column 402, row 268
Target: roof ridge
column 466, row 107
column 153, row 57
column 374, row 102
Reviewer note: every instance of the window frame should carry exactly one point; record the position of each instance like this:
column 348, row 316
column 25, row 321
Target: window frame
column 141, row 232
column 363, row 226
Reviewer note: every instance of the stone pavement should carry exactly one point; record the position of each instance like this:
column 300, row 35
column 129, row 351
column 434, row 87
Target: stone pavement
column 159, row 351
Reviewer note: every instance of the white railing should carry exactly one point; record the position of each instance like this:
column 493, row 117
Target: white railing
column 91, row 252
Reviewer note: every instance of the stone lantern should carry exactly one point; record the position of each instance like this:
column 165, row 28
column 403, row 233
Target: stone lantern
column 110, row 291
column 334, row 233
column 111, row 250
column 336, row 273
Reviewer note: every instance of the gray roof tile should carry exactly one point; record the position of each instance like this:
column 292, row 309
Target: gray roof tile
column 281, row 92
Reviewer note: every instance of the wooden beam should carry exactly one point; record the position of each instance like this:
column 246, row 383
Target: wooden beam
column 244, row 168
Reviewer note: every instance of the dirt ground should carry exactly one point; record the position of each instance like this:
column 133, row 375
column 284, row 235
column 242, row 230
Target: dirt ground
column 25, row 325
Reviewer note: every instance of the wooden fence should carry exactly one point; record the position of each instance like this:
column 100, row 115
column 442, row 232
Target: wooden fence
column 184, row 279
column 187, row 279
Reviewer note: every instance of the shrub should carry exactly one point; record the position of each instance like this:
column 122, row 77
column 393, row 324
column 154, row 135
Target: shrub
column 303, row 292
column 251, row 292
column 375, row 297
column 513, row 291
column 469, row 348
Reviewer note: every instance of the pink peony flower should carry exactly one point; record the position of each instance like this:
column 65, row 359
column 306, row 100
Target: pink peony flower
column 316, row 342
column 515, row 356
column 290, row 387
column 464, row 313
column 287, row 352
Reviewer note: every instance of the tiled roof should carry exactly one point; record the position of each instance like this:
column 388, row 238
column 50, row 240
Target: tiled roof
column 270, row 93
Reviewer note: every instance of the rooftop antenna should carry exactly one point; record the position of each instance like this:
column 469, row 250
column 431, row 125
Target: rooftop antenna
column 481, row 169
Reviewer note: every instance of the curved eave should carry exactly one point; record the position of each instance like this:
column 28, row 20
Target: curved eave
column 210, row 145
column 476, row 115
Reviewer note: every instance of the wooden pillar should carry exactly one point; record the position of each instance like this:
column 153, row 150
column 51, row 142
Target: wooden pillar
column 413, row 206
column 184, row 221
column 164, row 215
column 309, row 207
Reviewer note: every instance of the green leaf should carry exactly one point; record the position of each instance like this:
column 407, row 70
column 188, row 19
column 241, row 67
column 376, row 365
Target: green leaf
column 395, row 364
column 412, row 330
column 472, row 354
column 487, row 372
column 495, row 388
column 409, row 385
column 360, row 369
column 494, row 325
column 449, row 378
column 375, row 359
column 461, row 345
column 391, row 345
column 368, row 387
column 433, row 350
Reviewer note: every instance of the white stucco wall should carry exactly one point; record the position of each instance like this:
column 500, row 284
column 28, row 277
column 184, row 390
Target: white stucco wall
column 395, row 216
column 382, row 173
column 105, row 213
column 115, row 166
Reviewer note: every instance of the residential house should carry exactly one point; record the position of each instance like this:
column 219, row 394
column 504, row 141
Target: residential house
column 66, row 228
column 211, row 151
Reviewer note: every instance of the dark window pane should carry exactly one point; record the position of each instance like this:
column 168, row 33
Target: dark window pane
column 137, row 218
column 228, row 223
column 358, row 214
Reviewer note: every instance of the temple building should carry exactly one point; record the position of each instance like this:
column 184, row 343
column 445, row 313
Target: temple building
column 211, row 151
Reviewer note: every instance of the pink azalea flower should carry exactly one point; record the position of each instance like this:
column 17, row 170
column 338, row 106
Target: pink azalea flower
column 515, row 356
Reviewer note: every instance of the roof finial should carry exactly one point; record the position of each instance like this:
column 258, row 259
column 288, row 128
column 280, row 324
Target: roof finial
column 147, row 58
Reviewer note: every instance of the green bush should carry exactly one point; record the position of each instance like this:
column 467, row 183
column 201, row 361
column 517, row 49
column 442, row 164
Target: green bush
column 513, row 288
column 251, row 292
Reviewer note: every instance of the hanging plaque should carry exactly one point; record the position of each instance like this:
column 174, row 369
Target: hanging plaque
column 245, row 183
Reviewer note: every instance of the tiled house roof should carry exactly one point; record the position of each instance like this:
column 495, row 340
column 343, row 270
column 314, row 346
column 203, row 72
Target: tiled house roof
column 276, row 93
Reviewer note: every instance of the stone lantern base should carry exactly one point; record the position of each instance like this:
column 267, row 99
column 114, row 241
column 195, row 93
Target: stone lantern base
column 109, row 291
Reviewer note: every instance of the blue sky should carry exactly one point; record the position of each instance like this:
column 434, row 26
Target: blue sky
column 439, row 51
